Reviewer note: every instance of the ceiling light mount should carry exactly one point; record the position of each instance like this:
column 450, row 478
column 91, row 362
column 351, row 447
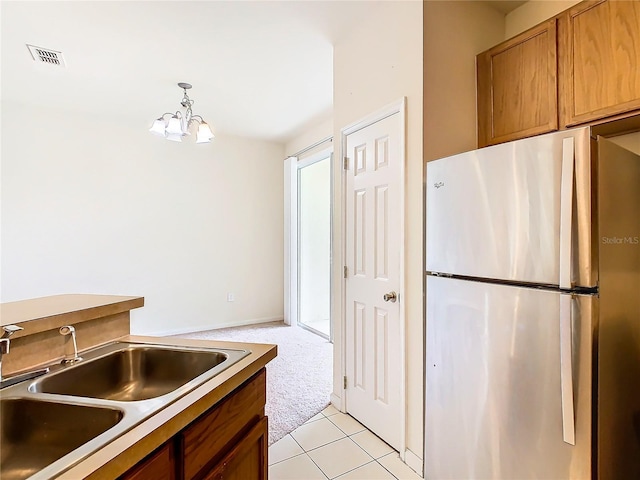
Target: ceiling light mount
column 178, row 124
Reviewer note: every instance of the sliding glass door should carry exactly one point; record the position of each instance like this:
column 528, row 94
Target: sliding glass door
column 314, row 245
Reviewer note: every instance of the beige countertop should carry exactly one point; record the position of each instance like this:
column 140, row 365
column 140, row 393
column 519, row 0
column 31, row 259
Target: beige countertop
column 125, row 451
column 46, row 313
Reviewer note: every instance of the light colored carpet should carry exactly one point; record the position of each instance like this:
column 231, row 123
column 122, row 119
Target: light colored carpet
column 298, row 380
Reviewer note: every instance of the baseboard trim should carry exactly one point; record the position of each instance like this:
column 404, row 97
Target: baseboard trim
column 336, row 401
column 413, row 462
column 206, row 328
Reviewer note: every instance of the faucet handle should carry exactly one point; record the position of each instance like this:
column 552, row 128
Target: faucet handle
column 66, row 330
column 9, row 330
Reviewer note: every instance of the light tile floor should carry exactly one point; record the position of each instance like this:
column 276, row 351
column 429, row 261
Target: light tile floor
column 334, row 445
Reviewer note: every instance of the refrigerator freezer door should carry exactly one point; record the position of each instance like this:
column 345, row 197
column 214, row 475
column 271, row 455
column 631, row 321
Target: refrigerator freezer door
column 498, row 212
column 619, row 328
column 494, row 383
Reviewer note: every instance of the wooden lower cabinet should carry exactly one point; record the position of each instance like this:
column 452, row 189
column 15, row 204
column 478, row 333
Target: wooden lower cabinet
column 160, row 465
column 230, row 442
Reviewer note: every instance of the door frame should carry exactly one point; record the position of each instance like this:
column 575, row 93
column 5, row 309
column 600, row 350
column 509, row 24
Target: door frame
column 398, row 107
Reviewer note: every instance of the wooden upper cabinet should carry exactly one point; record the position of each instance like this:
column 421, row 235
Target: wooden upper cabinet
column 599, row 60
column 517, row 86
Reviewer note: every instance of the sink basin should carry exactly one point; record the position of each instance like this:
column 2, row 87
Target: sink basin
column 50, row 423
column 35, row 433
column 132, row 373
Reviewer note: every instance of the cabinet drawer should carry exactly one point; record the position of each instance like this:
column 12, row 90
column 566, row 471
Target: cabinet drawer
column 160, row 465
column 212, row 435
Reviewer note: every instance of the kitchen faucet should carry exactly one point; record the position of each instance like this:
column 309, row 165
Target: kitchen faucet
column 7, row 331
column 70, row 358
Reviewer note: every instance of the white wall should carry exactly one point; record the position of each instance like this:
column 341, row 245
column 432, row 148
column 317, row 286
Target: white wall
column 376, row 63
column 454, row 33
column 313, row 135
column 95, row 205
column 630, row 141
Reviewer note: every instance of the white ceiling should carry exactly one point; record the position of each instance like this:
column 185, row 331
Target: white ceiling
column 260, row 69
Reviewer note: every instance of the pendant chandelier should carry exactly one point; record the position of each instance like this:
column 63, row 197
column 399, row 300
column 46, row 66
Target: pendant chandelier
column 178, row 124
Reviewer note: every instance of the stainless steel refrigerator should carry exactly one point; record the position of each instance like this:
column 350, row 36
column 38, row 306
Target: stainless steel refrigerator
column 532, row 355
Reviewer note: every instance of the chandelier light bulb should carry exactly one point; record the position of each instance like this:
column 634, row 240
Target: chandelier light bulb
column 174, row 127
column 204, row 134
column 159, row 126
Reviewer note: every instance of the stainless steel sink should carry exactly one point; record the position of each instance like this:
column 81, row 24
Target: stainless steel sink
column 35, row 433
column 136, row 372
column 51, row 423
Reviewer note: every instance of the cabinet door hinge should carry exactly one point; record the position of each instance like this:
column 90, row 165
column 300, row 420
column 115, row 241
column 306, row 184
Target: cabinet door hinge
column 344, row 382
column 346, row 163
column 345, row 271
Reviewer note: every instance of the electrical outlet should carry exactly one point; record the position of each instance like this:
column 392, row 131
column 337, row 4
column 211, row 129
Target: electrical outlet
column 230, row 297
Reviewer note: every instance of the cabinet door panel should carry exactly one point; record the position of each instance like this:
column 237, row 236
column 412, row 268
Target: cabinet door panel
column 209, row 437
column 517, row 94
column 247, row 460
column 600, row 60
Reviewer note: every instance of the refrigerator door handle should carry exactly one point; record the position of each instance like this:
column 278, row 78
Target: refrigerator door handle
column 566, row 211
column 566, row 371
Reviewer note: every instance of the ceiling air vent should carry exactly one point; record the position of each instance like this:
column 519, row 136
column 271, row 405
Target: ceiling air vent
column 46, row 55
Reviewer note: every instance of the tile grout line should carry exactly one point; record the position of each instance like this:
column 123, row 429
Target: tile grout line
column 370, row 456
column 293, row 456
column 309, row 456
column 324, row 444
column 346, row 435
column 288, row 458
column 376, row 460
column 390, row 472
column 373, row 458
column 317, row 466
column 344, row 473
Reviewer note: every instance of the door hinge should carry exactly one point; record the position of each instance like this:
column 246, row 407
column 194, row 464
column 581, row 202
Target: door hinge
column 344, row 382
column 345, row 271
column 346, row 163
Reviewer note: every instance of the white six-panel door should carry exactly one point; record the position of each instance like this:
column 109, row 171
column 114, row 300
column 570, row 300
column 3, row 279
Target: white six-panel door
column 373, row 244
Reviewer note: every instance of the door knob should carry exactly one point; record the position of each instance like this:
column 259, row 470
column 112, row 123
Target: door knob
column 390, row 297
